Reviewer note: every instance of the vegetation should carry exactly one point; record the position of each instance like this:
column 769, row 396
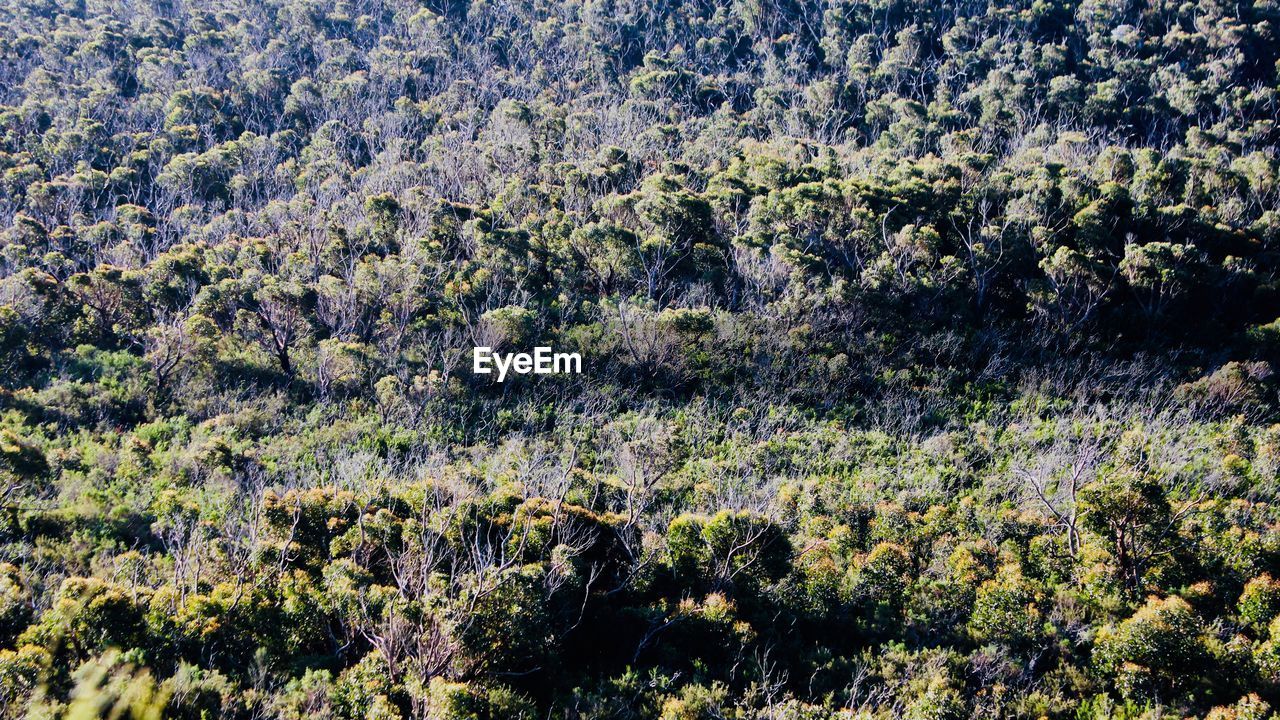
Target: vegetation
column 928, row 359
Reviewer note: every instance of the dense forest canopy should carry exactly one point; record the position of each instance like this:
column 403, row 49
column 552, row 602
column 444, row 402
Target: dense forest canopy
column 928, row 354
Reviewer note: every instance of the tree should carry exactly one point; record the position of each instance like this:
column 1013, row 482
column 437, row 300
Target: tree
column 1136, row 522
column 271, row 315
column 1158, row 653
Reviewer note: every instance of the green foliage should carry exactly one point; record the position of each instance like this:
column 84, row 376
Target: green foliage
column 459, row 701
column 106, row 687
column 1152, row 651
column 1260, row 601
column 1006, row 611
column 728, row 549
column 928, row 359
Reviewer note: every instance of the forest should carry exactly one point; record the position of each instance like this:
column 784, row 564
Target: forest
column 928, row 354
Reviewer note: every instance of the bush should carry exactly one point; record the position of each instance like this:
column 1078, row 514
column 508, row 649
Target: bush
column 1260, row 602
column 1159, row 652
